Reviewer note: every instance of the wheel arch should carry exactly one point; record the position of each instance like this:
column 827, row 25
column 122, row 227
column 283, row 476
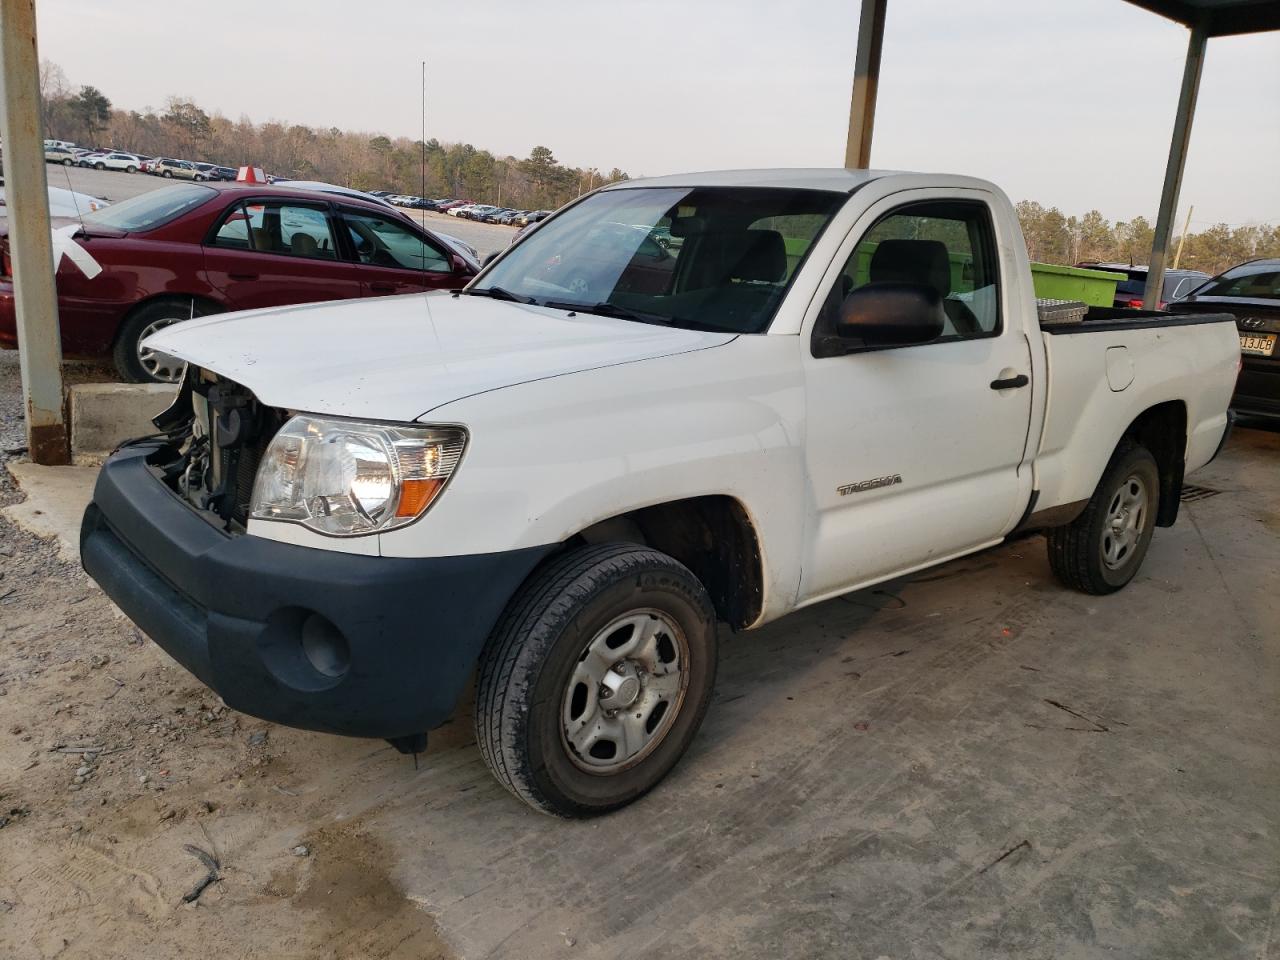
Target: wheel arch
column 202, row 304
column 1162, row 429
column 713, row 535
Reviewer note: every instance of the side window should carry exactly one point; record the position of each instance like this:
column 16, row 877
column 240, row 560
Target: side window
column 276, row 227
column 948, row 245
column 234, row 232
column 380, row 242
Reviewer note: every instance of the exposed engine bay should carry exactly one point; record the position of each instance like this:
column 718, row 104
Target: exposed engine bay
column 217, row 433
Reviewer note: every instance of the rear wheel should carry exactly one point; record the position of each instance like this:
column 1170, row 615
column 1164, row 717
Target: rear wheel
column 1101, row 550
column 596, row 679
column 66, row 162
column 130, row 169
column 166, row 173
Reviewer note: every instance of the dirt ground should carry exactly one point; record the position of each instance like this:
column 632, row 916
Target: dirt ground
column 973, row 763
column 115, row 765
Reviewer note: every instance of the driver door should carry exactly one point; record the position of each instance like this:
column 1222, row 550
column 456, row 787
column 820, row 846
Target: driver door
column 913, row 455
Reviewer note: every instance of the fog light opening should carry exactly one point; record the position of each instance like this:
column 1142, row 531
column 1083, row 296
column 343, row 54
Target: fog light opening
column 325, row 647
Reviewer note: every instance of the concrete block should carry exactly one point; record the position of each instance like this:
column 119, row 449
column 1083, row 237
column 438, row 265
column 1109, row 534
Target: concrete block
column 102, row 415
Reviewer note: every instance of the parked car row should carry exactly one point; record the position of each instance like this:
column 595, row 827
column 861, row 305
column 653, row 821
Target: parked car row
column 68, row 154
column 465, row 209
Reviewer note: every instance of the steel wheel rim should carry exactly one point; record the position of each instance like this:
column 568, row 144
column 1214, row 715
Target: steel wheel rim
column 625, row 692
column 1126, row 519
column 159, row 366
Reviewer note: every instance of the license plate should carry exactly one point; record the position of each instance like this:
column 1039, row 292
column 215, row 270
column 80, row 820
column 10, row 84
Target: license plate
column 1260, row 343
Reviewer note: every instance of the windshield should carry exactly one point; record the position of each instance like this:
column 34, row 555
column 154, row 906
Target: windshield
column 711, row 258
column 151, row 209
column 1256, row 282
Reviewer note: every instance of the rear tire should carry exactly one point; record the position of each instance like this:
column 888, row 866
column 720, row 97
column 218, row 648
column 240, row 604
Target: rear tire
column 130, row 169
column 1101, row 550
column 66, row 162
column 166, row 173
column 570, row 713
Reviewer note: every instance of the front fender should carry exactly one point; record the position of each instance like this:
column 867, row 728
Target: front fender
column 548, row 459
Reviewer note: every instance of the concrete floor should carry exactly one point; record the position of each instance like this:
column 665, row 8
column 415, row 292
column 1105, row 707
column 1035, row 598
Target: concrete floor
column 974, row 763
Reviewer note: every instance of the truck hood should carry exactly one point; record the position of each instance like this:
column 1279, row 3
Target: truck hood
column 398, row 358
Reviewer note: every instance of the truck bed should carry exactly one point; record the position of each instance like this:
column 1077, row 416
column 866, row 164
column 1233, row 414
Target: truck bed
column 1098, row 319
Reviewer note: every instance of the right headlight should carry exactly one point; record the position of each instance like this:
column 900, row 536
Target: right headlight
column 348, row 477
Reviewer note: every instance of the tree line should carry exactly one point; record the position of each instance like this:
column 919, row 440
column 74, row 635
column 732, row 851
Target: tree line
column 367, row 161
column 363, row 161
column 1054, row 237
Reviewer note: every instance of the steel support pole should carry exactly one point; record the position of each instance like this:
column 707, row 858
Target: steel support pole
column 866, row 80
column 1177, row 161
column 30, row 248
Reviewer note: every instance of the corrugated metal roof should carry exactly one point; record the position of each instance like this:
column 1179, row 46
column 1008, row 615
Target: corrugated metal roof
column 1219, row 17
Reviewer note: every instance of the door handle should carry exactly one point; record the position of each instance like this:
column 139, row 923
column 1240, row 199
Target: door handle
column 382, row 287
column 1021, row 380
column 243, row 276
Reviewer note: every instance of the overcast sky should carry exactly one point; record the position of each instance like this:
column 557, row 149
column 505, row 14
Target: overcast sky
column 1070, row 104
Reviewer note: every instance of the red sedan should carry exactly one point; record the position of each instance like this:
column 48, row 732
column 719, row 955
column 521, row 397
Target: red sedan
column 194, row 249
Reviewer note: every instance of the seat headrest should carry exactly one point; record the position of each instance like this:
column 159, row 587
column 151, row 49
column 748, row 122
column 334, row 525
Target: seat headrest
column 763, row 257
column 303, row 245
column 912, row 261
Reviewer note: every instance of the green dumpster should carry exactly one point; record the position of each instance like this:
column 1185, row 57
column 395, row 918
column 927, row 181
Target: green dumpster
column 1097, row 288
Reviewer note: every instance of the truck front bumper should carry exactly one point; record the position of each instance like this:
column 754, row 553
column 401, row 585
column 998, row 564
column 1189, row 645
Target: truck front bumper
column 356, row 645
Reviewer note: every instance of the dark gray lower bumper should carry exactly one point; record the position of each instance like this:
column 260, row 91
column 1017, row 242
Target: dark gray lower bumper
column 244, row 613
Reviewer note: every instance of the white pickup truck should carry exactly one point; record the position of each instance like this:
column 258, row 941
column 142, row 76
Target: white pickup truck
column 677, row 401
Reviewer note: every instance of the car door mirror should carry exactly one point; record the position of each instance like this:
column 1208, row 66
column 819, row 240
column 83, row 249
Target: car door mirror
column 891, row 314
column 490, row 258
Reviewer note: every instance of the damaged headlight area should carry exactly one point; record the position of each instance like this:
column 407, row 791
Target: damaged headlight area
column 347, row 478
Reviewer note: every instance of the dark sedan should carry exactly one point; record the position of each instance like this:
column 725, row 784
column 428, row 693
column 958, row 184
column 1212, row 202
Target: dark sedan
column 198, row 248
column 1251, row 292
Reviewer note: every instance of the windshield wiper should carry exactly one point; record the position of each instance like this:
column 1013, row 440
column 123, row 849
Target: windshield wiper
column 606, row 309
column 498, row 293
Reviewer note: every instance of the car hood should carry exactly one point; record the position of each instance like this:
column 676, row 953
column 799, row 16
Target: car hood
column 398, row 358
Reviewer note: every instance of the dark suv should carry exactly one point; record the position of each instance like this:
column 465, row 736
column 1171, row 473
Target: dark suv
column 1129, row 292
column 1251, row 292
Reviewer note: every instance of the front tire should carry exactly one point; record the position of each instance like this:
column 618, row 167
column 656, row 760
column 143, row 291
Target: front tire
column 1101, row 550
column 596, row 679
column 166, row 173
column 99, row 166
column 138, row 364
column 130, row 169
column 66, row 162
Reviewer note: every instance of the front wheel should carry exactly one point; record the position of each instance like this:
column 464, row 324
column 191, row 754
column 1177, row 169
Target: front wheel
column 1101, row 550
column 166, row 174
column 66, row 162
column 596, row 679
column 137, row 363
column 130, row 169
column 99, row 166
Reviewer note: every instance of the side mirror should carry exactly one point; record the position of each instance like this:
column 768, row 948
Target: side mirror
column 891, row 314
column 490, row 258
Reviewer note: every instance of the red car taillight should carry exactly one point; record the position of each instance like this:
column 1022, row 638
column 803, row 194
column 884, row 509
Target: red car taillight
column 1133, row 304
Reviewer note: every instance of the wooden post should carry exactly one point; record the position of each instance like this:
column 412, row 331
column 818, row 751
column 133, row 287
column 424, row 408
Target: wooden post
column 30, row 246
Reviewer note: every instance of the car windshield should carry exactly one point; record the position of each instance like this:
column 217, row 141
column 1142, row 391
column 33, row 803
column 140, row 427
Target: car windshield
column 1252, row 282
column 718, row 258
column 152, row 209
